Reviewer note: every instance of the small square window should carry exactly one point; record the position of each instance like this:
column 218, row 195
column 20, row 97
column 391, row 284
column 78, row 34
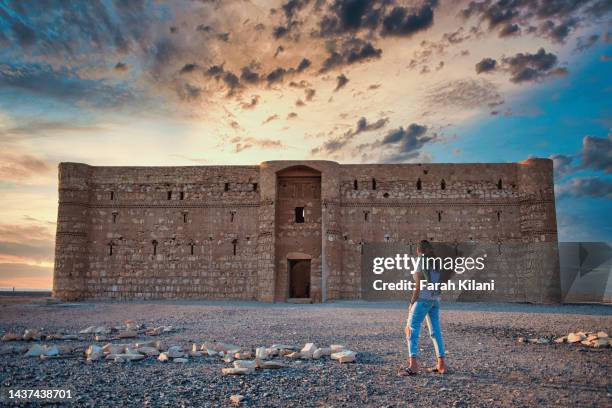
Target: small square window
column 299, row 215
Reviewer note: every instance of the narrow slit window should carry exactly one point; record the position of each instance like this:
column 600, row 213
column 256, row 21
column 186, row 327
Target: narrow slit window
column 373, row 184
column 115, row 217
column 419, row 185
column 154, row 243
column 366, row 216
column 299, row 215
column 355, row 185
column 443, row 185
column 232, row 215
column 169, row 195
column 439, row 216
column 234, row 244
column 112, row 195
column 110, row 249
column 498, row 216
column 499, row 184
column 226, row 187
column 191, row 248
column 185, row 217
column 182, row 195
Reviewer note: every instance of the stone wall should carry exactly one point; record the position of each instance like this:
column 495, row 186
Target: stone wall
column 228, row 231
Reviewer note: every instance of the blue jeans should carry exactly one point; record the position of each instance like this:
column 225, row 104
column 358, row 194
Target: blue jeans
column 428, row 310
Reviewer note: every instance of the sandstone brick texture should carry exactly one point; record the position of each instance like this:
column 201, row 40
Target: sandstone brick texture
column 236, row 232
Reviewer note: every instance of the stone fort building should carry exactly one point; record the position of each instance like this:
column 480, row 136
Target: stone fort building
column 286, row 230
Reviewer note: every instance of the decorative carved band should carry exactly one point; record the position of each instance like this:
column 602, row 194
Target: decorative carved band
column 178, row 205
column 72, row 233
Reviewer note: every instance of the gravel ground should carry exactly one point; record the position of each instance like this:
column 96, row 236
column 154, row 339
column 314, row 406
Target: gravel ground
column 488, row 366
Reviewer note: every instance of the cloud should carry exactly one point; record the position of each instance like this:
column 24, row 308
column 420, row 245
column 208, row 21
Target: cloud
column 63, row 85
column 463, row 94
column 554, row 20
column 23, row 276
column 486, row 65
column 524, row 67
column 16, row 166
column 402, row 21
column 594, row 187
column 270, row 119
column 350, row 52
column 596, row 153
column 244, row 143
column 337, row 143
column 584, row 43
column 26, row 243
column 341, row 81
column 562, row 164
column 251, row 104
column 401, row 144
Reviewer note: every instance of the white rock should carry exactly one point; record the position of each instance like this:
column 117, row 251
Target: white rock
column 261, row 353
column 273, row 364
column 35, row 351
column 243, row 355
column 344, row 356
column 295, row 354
column 51, row 351
column 88, row 330
column 335, row 348
column 127, row 334
column 245, row 364
column 163, row 357
column 148, row 351
column 111, row 348
column 236, row 371
column 575, row 337
column 308, row 349
column 236, row 399
column 284, row 347
column 31, row 334
column 320, row 352
column 11, row 337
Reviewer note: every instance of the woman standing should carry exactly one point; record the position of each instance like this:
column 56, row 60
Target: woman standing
column 424, row 305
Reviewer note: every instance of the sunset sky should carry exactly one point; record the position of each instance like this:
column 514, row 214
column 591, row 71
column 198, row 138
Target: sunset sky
column 240, row 82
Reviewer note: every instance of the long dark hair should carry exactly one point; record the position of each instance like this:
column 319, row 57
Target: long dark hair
column 425, row 247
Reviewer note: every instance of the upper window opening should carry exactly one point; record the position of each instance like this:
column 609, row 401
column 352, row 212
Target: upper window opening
column 419, row 185
column 232, row 215
column 185, row 216
column 255, row 186
column 235, row 244
column 182, row 195
column 154, row 242
column 192, row 247
column 439, row 216
column 366, row 216
column 443, row 185
column 112, row 195
column 226, row 187
column 499, row 216
column 373, row 184
column 110, row 248
column 169, row 195
column 115, row 217
column 300, row 214
column 355, row 185
column 499, row 184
